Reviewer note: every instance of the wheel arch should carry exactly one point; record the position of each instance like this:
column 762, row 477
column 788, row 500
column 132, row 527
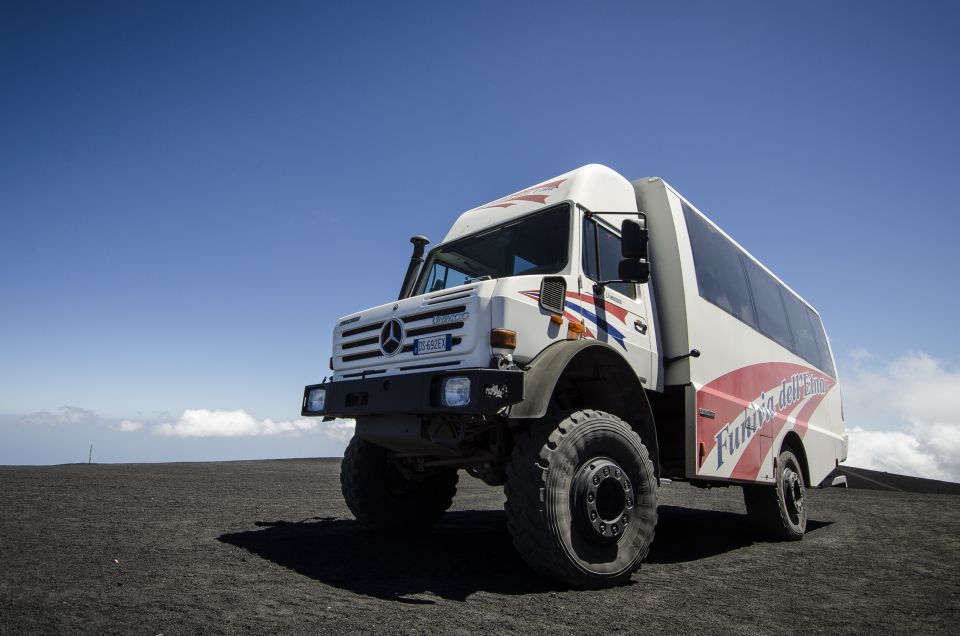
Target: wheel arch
column 588, row 374
column 792, row 442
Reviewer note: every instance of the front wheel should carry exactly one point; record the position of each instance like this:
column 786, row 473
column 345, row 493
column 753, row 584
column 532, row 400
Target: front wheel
column 581, row 498
column 780, row 512
column 382, row 496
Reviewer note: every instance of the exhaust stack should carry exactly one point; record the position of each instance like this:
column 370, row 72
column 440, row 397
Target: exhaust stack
column 416, row 260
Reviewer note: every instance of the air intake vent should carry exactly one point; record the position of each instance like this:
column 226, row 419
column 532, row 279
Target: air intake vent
column 552, row 294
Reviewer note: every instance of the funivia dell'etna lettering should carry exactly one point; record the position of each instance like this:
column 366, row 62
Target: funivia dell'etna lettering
column 765, row 408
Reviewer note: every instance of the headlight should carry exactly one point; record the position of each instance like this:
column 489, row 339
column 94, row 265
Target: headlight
column 455, row 391
column 316, row 399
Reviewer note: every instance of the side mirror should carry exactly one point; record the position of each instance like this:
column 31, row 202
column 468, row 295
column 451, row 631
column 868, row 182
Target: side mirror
column 633, row 238
column 634, row 270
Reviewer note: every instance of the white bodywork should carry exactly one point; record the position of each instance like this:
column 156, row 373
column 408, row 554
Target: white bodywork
column 738, row 371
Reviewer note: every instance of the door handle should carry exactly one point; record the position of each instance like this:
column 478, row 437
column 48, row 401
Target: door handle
column 640, row 326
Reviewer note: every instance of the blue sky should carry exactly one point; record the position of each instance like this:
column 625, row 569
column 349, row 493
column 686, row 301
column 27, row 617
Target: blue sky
column 192, row 192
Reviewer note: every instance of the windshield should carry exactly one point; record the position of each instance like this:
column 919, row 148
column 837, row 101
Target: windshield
column 537, row 244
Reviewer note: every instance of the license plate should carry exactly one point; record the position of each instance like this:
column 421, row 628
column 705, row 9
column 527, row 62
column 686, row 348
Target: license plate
column 433, row 344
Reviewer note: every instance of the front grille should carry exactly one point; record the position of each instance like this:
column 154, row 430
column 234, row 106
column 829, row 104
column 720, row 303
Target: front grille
column 362, row 374
column 363, row 329
column 362, row 343
column 364, row 355
column 446, row 326
column 433, row 365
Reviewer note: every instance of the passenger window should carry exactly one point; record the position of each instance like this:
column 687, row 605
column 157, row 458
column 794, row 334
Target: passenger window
column 594, row 236
column 806, row 344
column 729, row 279
column 771, row 315
column 720, row 275
column 820, row 336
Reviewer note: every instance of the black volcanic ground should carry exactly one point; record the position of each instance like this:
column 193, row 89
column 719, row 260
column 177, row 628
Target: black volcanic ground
column 268, row 546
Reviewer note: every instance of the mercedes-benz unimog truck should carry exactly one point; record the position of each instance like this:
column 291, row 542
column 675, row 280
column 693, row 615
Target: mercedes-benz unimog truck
column 577, row 342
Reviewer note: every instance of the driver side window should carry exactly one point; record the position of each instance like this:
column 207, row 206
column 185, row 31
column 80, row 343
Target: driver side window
column 595, row 237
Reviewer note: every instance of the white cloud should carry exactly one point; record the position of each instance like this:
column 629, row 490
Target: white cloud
column 239, row 423
column 65, row 415
column 340, row 430
column 128, row 426
column 904, row 416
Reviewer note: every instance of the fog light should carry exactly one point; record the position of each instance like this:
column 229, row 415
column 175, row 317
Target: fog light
column 455, row 391
column 316, row 399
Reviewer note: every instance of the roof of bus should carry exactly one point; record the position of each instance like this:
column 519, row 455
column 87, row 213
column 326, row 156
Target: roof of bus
column 594, row 186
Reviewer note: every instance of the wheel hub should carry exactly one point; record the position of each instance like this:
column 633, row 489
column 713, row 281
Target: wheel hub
column 794, row 490
column 603, row 498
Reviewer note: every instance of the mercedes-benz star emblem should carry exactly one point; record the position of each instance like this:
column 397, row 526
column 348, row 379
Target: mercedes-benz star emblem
column 391, row 337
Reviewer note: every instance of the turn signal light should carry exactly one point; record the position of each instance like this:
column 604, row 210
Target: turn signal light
column 556, row 319
column 575, row 327
column 503, row 339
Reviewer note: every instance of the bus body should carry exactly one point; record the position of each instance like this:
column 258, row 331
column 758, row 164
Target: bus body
column 579, row 341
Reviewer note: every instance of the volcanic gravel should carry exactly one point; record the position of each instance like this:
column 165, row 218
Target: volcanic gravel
column 268, row 546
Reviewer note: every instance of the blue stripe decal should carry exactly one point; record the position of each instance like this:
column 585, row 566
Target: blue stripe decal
column 600, row 322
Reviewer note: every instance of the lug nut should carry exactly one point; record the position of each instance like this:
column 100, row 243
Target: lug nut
column 592, row 466
column 596, row 480
column 626, row 485
column 603, row 527
column 624, row 518
column 617, row 472
column 629, row 502
column 590, row 497
column 613, row 528
column 593, row 516
column 606, row 472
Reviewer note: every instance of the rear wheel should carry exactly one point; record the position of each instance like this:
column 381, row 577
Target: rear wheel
column 780, row 512
column 581, row 498
column 382, row 496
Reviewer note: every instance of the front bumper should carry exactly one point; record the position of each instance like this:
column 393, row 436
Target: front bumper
column 416, row 393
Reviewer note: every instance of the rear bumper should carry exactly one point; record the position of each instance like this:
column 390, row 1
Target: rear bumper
column 416, row 393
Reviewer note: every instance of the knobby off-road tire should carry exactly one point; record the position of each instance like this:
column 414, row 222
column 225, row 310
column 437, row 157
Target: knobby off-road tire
column 581, row 498
column 379, row 495
column 779, row 512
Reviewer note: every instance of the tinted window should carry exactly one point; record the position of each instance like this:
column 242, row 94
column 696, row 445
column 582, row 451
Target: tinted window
column 720, row 275
column 821, row 339
column 731, row 280
column 537, row 244
column 610, row 257
column 804, row 341
column 771, row 315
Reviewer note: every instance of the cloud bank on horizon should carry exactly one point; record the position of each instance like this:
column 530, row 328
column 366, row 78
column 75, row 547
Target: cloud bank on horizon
column 903, row 416
column 239, row 423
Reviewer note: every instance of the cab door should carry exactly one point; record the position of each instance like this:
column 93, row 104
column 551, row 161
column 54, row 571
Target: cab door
column 617, row 315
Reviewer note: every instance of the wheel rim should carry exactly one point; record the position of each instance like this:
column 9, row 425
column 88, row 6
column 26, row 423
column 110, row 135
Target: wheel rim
column 603, row 499
column 793, row 493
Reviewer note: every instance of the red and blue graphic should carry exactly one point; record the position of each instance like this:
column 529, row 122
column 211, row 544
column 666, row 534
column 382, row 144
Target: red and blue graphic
column 753, row 404
column 583, row 308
